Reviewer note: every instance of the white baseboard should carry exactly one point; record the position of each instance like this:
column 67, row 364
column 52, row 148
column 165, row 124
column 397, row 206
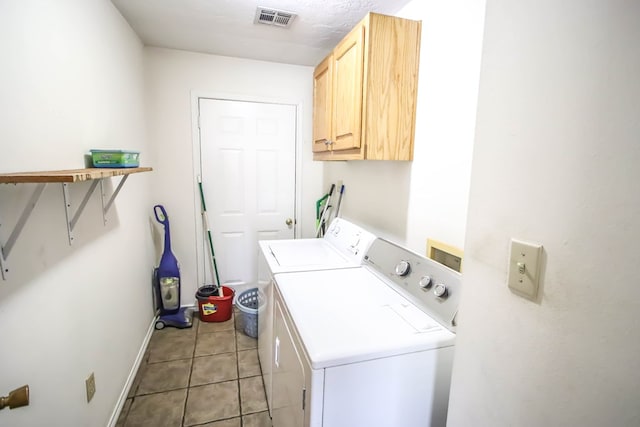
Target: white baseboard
column 132, row 375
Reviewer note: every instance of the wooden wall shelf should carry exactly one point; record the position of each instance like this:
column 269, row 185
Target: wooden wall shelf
column 64, row 177
column 71, row 175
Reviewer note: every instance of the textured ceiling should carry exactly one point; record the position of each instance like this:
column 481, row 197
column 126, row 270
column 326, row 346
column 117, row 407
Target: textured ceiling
column 226, row 27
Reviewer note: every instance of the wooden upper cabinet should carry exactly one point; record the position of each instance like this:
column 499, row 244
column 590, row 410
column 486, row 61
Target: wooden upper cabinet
column 373, row 74
column 322, row 101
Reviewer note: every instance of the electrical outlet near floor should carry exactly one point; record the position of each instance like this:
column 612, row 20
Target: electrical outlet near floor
column 90, row 383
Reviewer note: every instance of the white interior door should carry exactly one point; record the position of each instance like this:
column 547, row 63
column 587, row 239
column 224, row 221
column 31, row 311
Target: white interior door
column 247, row 152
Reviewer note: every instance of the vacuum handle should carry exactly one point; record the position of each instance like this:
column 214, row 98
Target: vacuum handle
column 162, row 218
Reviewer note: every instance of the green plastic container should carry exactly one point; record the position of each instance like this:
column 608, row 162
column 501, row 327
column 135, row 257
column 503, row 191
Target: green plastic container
column 115, row 158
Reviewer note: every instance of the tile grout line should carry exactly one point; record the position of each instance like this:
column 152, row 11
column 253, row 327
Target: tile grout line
column 235, row 333
column 193, row 354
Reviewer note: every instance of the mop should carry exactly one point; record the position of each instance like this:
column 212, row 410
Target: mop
column 205, row 220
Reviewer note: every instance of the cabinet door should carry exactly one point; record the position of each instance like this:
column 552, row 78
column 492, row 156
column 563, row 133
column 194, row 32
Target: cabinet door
column 288, row 375
column 348, row 69
column 322, row 100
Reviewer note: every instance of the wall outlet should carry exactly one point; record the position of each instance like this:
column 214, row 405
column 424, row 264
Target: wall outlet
column 90, row 384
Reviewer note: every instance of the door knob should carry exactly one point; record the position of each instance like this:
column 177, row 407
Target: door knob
column 289, row 222
column 16, row 398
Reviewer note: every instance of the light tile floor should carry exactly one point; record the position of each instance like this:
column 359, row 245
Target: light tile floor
column 207, row 375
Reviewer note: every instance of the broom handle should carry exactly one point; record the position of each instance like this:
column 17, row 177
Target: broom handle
column 339, row 201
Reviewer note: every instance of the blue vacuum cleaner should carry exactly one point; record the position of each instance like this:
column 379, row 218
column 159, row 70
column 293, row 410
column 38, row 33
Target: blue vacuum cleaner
column 166, row 282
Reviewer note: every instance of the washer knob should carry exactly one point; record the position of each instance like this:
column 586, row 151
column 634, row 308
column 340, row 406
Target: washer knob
column 425, row 282
column 440, row 290
column 403, row 268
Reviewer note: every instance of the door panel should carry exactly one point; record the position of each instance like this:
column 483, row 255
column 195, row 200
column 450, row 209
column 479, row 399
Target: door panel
column 247, row 153
column 232, row 201
column 267, row 183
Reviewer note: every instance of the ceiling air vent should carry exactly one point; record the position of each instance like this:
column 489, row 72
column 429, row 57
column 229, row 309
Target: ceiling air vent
column 279, row 18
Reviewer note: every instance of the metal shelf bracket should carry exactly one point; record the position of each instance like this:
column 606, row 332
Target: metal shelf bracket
column 5, row 249
column 73, row 220
column 106, row 204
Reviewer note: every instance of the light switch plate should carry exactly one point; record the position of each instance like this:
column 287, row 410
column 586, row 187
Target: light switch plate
column 90, row 384
column 524, row 268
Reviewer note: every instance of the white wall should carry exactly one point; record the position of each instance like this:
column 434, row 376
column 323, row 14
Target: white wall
column 437, row 180
column 71, row 80
column 171, row 77
column 556, row 161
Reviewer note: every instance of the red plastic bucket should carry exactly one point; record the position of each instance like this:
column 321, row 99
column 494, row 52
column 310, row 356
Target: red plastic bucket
column 214, row 308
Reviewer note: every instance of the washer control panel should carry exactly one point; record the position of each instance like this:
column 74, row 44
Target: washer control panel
column 431, row 286
column 349, row 238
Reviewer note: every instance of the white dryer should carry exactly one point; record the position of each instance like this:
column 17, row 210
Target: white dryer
column 343, row 246
column 370, row 346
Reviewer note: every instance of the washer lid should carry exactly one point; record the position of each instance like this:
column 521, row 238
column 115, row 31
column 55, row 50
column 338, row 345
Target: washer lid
column 344, row 245
column 351, row 315
column 302, row 255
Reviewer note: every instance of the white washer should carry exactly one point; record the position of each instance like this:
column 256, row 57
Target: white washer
column 370, row 346
column 343, row 246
